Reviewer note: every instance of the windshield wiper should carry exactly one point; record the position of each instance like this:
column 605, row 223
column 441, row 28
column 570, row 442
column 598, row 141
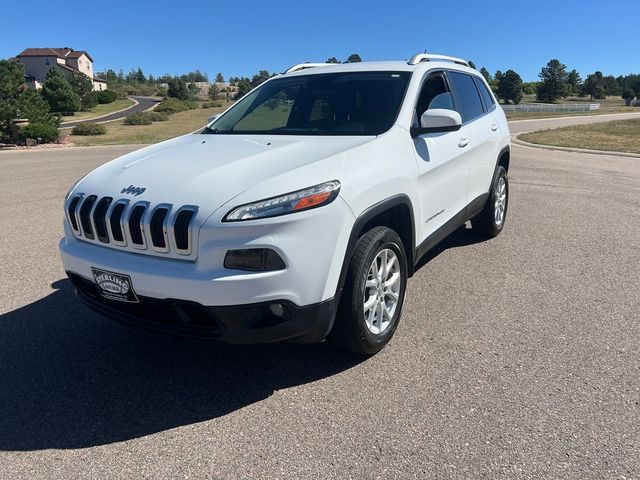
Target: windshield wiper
column 208, row 130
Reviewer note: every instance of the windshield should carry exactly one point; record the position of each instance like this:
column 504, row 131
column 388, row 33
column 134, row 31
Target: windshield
column 352, row 103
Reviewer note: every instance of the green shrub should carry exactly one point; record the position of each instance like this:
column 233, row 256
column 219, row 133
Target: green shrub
column 211, row 104
column 173, row 105
column 89, row 101
column 46, row 133
column 145, row 118
column 138, row 119
column 89, row 129
column 107, row 96
column 157, row 116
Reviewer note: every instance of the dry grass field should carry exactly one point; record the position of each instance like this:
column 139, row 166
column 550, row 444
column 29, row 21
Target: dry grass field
column 616, row 136
column 177, row 124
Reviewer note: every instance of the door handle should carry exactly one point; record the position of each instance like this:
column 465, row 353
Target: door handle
column 494, row 127
column 463, row 142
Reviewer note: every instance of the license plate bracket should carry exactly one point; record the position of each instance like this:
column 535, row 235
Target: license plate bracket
column 114, row 286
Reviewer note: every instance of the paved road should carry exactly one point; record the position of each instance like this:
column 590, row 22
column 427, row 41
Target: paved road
column 144, row 103
column 515, row 358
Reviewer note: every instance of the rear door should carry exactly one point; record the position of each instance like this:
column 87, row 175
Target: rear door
column 476, row 137
column 481, row 172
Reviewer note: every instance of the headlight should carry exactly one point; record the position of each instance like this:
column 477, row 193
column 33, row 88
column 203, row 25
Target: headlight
column 297, row 201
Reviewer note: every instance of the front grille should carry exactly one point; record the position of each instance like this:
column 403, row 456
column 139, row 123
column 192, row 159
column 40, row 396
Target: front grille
column 120, row 223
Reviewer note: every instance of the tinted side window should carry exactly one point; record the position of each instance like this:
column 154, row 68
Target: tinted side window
column 470, row 105
column 484, row 93
column 434, row 94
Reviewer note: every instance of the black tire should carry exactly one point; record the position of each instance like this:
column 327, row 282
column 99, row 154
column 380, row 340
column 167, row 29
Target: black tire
column 350, row 330
column 485, row 223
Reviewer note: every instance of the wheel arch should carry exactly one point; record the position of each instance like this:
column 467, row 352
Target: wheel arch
column 394, row 212
column 504, row 157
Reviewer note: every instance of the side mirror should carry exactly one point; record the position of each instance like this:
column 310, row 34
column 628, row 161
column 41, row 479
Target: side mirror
column 213, row 118
column 437, row 120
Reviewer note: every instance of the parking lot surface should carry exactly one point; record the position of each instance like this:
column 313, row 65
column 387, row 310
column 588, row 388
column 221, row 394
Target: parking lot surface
column 515, row 357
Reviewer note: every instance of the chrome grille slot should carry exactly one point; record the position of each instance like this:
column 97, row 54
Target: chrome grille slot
column 158, row 228
column 119, row 223
column 136, row 229
column 71, row 212
column 85, row 216
column 182, row 230
column 100, row 219
column 116, row 222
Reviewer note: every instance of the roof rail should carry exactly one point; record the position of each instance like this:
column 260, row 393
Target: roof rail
column 304, row 66
column 430, row 57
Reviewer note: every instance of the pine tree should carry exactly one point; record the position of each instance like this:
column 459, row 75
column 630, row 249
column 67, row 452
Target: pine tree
column 59, row 95
column 553, row 82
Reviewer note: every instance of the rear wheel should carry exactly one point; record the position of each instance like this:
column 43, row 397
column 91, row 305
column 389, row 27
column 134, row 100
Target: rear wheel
column 373, row 294
column 490, row 221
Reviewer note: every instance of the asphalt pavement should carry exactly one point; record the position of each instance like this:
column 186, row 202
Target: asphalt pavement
column 144, row 103
column 515, row 357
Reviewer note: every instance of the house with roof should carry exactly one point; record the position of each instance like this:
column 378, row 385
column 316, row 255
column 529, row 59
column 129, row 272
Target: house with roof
column 38, row 61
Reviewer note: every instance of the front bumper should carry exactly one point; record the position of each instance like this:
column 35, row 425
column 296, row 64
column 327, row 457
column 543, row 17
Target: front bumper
column 238, row 324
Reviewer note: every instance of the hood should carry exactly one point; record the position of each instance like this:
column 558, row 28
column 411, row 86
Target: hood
column 209, row 170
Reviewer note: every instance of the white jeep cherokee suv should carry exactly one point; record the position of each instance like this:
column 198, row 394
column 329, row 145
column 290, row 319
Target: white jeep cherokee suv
column 300, row 212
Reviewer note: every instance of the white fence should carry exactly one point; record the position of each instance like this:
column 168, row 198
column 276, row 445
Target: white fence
column 551, row 107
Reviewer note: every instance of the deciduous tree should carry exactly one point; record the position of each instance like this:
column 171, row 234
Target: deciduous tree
column 628, row 95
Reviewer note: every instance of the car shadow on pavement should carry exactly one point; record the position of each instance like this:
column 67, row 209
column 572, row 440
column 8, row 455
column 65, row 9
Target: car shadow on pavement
column 462, row 237
column 71, row 379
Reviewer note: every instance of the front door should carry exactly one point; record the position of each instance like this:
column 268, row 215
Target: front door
column 442, row 162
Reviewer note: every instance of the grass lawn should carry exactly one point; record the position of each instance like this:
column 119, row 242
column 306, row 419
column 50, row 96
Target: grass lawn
column 99, row 110
column 608, row 105
column 616, row 136
column 178, row 124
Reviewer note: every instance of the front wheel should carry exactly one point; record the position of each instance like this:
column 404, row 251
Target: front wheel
column 373, row 294
column 490, row 221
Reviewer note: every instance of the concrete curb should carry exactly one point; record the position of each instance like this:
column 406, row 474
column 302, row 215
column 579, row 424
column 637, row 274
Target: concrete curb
column 135, row 102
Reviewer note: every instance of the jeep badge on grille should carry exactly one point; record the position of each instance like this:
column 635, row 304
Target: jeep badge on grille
column 131, row 190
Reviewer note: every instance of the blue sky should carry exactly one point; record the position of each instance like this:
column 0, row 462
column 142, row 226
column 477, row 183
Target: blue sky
column 240, row 38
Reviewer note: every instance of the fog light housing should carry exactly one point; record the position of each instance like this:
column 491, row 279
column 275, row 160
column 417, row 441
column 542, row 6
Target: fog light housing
column 254, row 260
column 277, row 309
